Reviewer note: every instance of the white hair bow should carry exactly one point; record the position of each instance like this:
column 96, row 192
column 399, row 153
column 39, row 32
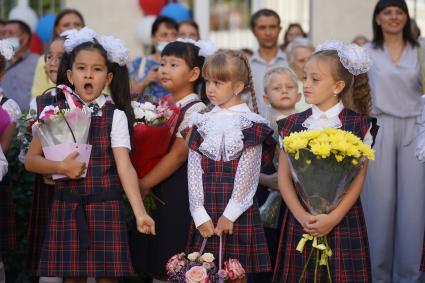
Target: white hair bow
column 206, row 47
column 77, row 37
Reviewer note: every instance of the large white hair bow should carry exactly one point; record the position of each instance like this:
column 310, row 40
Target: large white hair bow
column 206, row 47
column 353, row 57
column 76, row 37
column 116, row 49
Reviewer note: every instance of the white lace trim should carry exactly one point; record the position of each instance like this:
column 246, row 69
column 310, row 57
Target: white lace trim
column 12, row 109
column 222, row 132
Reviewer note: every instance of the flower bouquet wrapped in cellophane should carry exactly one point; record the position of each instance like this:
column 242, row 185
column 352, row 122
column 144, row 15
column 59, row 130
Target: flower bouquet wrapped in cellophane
column 323, row 165
column 63, row 131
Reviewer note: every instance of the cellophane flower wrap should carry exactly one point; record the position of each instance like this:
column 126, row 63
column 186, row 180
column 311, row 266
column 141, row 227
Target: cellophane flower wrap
column 199, row 267
column 152, row 133
column 63, row 131
column 323, row 164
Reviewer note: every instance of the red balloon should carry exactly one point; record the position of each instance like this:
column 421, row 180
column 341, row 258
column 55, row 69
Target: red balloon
column 152, row 7
column 36, row 45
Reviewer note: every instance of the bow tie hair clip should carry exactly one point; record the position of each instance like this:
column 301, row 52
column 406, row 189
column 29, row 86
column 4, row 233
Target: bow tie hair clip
column 353, row 57
column 6, row 49
column 206, row 47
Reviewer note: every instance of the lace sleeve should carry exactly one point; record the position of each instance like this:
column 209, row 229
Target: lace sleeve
column 246, row 182
column 196, row 190
column 12, row 108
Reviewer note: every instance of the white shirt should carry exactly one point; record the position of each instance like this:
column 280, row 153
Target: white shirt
column 223, row 141
column 120, row 136
column 3, row 165
column 329, row 119
column 197, row 107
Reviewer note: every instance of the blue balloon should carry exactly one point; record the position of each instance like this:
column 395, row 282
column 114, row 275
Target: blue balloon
column 176, row 11
column 45, row 27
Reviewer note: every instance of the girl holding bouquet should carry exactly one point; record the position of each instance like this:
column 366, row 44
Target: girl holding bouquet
column 86, row 235
column 224, row 166
column 180, row 74
column 43, row 188
column 336, row 85
column 10, row 114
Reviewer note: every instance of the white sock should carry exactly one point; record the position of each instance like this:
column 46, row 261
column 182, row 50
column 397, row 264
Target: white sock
column 50, row 280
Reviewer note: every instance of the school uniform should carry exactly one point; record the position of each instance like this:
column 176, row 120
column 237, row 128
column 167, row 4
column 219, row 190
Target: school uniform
column 42, row 197
column 87, row 233
column 7, row 208
column 172, row 219
column 394, row 193
column 223, row 171
column 348, row 240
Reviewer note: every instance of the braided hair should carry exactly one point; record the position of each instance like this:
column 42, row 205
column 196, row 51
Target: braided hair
column 229, row 65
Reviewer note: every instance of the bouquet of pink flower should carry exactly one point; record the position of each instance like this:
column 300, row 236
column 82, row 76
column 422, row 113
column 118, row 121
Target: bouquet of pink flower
column 152, row 133
column 199, row 267
column 63, row 131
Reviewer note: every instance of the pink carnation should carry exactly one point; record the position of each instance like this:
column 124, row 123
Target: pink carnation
column 234, row 269
column 196, row 274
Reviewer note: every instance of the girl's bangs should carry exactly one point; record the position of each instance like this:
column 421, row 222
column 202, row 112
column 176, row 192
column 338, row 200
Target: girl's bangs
column 217, row 68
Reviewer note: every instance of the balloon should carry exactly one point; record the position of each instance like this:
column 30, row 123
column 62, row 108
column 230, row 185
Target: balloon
column 151, row 7
column 36, row 45
column 176, row 11
column 45, row 27
column 143, row 29
column 24, row 13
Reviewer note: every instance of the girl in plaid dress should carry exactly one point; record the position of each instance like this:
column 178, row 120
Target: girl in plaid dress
column 335, row 81
column 180, row 73
column 86, row 234
column 224, row 166
column 7, row 210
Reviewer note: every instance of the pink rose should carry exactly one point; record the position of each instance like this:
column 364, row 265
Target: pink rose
column 196, row 274
column 234, row 269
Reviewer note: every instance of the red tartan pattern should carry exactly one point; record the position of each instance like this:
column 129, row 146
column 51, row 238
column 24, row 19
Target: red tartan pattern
column 41, row 203
column 248, row 242
column 7, row 217
column 350, row 261
column 108, row 254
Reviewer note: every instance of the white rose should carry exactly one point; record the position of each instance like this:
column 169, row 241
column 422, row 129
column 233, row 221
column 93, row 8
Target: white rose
column 150, row 116
column 139, row 113
column 147, row 106
column 193, row 256
column 207, row 257
column 135, row 104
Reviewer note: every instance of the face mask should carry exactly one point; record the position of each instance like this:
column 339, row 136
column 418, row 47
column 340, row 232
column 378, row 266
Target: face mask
column 160, row 46
column 14, row 41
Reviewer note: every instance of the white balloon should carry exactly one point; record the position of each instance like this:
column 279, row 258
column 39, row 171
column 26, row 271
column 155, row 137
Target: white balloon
column 24, row 13
column 143, row 30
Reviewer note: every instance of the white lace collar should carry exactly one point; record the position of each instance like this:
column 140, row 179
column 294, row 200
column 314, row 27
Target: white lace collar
column 188, row 99
column 324, row 119
column 221, row 130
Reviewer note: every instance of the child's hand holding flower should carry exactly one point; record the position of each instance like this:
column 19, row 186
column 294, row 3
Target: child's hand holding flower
column 224, row 225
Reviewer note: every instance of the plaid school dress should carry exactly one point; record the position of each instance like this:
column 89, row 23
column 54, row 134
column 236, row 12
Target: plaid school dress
column 41, row 203
column 350, row 261
column 248, row 242
column 172, row 220
column 7, row 212
column 87, row 233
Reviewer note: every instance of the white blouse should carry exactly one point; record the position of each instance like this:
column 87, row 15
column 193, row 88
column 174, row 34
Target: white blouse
column 329, row 119
column 11, row 107
column 221, row 130
column 3, row 165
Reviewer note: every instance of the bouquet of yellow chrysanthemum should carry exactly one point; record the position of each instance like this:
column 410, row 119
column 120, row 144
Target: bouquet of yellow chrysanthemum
column 324, row 163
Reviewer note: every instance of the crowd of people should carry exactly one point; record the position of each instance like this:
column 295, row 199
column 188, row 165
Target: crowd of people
column 226, row 157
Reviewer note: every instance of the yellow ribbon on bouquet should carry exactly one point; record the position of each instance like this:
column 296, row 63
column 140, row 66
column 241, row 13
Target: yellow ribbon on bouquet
column 323, row 253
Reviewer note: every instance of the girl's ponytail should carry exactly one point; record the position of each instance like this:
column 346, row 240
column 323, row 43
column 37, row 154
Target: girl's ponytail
column 360, row 96
column 120, row 92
